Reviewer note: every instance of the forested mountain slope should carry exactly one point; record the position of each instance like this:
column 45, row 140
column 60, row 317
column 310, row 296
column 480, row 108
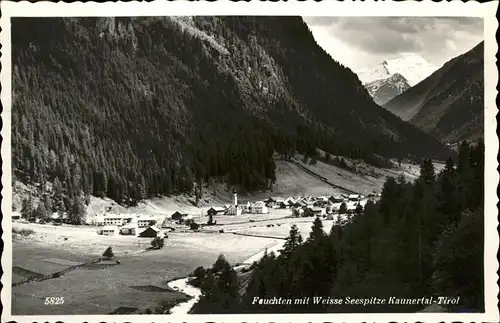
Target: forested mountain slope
column 135, row 107
column 449, row 104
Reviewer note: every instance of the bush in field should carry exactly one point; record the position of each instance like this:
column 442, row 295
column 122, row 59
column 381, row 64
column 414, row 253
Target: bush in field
column 194, row 226
column 158, row 243
column 23, row 232
column 108, row 253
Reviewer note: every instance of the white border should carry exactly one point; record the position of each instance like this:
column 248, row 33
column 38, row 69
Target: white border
column 224, row 7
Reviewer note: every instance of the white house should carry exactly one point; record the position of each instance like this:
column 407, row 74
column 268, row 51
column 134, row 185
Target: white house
column 234, row 210
column 258, row 208
column 354, row 197
column 351, row 206
column 144, row 222
column 109, row 230
column 113, row 219
column 336, row 206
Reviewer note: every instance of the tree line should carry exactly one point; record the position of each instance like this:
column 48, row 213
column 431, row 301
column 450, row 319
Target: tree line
column 421, row 239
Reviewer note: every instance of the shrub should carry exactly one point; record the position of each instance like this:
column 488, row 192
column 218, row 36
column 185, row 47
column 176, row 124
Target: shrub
column 108, row 253
column 23, row 232
column 158, row 243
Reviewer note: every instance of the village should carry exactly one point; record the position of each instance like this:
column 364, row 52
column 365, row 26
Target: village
column 56, row 254
column 336, row 208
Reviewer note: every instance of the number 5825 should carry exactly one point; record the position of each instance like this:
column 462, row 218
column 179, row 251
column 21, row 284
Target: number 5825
column 54, row 300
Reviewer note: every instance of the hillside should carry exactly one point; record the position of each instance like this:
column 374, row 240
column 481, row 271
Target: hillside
column 133, row 108
column 382, row 91
column 449, row 104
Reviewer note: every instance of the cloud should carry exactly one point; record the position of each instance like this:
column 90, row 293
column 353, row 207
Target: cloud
column 435, row 38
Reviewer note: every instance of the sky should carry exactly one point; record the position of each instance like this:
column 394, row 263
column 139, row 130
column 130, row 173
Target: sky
column 359, row 42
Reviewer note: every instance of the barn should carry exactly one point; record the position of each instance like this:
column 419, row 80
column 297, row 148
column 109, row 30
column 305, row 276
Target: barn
column 178, row 215
column 151, row 232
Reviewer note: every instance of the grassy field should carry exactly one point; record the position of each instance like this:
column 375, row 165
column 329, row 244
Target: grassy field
column 139, row 281
column 303, row 224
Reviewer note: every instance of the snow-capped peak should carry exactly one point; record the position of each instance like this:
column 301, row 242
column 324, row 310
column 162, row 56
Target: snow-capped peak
column 412, row 67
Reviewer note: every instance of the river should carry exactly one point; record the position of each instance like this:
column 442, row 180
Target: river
column 183, row 286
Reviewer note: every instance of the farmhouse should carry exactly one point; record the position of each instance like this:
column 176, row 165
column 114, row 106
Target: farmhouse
column 178, row 215
column 151, row 232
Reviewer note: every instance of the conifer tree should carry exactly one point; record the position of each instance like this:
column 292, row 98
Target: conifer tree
column 293, row 240
column 76, row 214
column 41, row 211
column 27, row 207
column 343, row 208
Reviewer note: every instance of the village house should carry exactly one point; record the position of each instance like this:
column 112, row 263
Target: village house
column 233, row 210
column 145, row 222
column 336, row 199
column 129, row 229
column 307, row 212
column 270, row 202
column 113, row 219
column 351, row 205
column 319, row 203
column 354, row 197
column 58, row 218
column 109, row 230
column 335, row 207
column 151, row 232
column 280, row 205
column 259, row 208
column 215, row 210
column 178, row 215
column 318, row 211
column 98, row 220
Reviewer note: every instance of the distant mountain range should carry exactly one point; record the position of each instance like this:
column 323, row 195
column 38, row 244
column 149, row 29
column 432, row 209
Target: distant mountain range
column 392, row 77
column 449, row 104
